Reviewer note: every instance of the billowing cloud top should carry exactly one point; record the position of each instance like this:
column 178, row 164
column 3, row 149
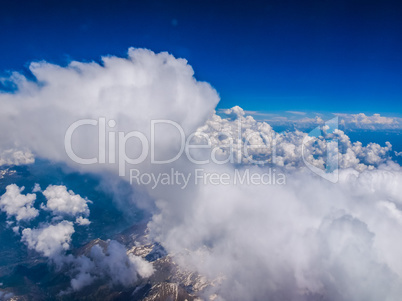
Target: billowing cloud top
column 131, row 91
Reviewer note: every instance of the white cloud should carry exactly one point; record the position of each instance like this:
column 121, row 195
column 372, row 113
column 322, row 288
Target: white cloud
column 63, row 202
column 110, row 263
column 122, row 268
column 37, row 188
column 363, row 121
column 305, row 240
column 286, row 148
column 4, row 295
column 16, row 229
column 376, row 119
column 305, row 121
column 49, row 240
column 84, row 268
column 308, row 239
column 18, row 205
column 16, row 157
column 132, row 91
column 296, row 112
column 82, row 221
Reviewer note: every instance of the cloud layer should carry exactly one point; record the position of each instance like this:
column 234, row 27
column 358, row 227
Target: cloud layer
column 307, row 240
column 309, row 120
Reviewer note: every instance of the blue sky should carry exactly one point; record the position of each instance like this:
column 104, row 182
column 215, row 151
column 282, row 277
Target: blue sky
column 317, row 56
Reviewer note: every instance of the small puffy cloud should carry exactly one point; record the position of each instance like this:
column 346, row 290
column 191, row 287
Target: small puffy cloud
column 82, row 221
column 235, row 112
column 18, row 205
column 51, row 240
column 16, row 229
column 37, row 188
column 63, row 202
column 16, row 157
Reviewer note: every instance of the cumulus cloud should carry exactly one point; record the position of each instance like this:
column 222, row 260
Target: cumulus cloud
column 63, row 202
column 131, row 91
column 110, row 263
column 16, row 157
column 306, row 240
column 49, row 240
column 15, row 204
column 82, row 221
column 37, row 188
column 241, row 139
